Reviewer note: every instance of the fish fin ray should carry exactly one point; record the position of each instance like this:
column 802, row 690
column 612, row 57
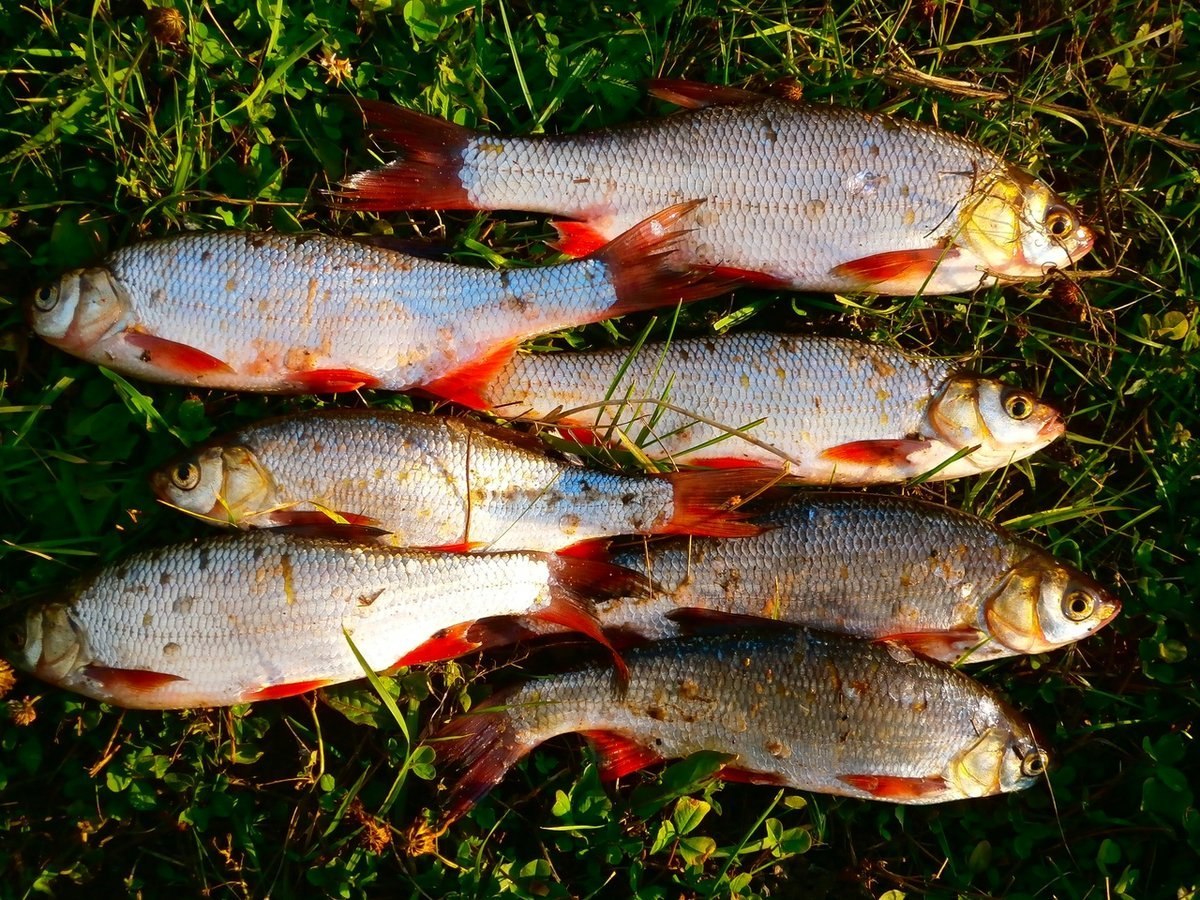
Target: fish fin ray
column 714, row 503
column 739, row 775
column 133, row 681
column 619, row 755
column 879, row 269
column 280, row 691
column 896, row 787
column 946, row 646
column 875, row 453
column 697, row 95
column 332, row 381
column 176, row 358
column 752, row 278
column 449, row 643
column 577, row 239
column 468, row 384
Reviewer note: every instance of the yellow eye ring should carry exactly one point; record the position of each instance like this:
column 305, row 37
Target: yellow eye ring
column 185, row 476
column 1059, row 222
column 1079, row 606
column 1019, row 405
column 1034, row 763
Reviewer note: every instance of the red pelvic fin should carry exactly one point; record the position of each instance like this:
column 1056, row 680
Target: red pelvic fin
column 129, row 681
column 752, row 278
column 619, row 755
column 697, row 94
column 483, row 745
column 713, row 503
column 332, row 381
column 746, row 776
column 279, row 691
column 288, row 518
column 875, row 453
column 944, row 646
column 427, row 177
column 645, row 272
column 469, row 383
column 577, row 238
column 176, row 358
column 914, row 266
column 698, row 620
column 446, row 644
column 731, row 462
column 896, row 787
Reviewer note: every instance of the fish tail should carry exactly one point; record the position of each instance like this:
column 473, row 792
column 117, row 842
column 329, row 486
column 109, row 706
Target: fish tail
column 428, row 176
column 645, row 270
column 714, row 503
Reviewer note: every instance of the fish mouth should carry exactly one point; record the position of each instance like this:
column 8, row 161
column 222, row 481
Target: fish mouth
column 1053, row 427
column 1084, row 240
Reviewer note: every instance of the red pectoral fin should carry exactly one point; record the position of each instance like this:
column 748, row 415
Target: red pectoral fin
column 176, row 358
column 911, row 265
column 896, row 787
column 129, row 681
column 697, row 94
column 468, row 383
column 577, row 239
column 619, row 755
column 332, row 381
column 447, row 644
column 945, row 646
column 279, row 691
column 875, row 453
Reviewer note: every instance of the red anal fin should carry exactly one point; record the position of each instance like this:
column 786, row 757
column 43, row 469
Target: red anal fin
column 332, row 381
column 644, row 271
column 279, row 691
column 912, row 265
column 620, row 755
column 577, row 239
column 730, row 462
column 896, row 787
column 714, row 503
column 446, row 644
column 747, row 776
column 428, row 175
column 469, row 383
column 944, row 646
column 698, row 620
column 697, row 94
column 753, row 278
column 129, row 681
column 875, row 453
column 176, row 358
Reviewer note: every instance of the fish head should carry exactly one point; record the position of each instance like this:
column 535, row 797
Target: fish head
column 1042, row 605
column 80, row 309
column 1005, row 423
column 1004, row 757
column 1021, row 229
column 47, row 642
column 220, row 484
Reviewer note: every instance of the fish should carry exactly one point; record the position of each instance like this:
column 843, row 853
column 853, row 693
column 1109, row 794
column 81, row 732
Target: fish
column 285, row 313
column 801, row 709
column 797, row 195
column 946, row 584
column 826, row 410
column 261, row 616
column 440, row 482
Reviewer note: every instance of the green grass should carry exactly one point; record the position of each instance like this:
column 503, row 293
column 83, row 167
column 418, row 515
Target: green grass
column 110, row 134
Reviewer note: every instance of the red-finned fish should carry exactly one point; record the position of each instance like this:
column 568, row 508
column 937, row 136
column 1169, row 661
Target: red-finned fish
column 437, row 482
column 815, row 712
column 944, row 583
column 797, row 194
column 828, row 410
column 260, row 616
column 317, row 314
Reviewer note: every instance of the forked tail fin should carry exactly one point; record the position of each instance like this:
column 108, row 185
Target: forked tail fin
column 427, row 177
column 718, row 502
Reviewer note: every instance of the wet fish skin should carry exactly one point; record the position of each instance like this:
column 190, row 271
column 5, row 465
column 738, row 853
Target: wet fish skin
column 807, row 196
column 314, row 313
column 829, row 410
column 434, row 481
column 815, row 712
column 235, row 618
column 937, row 579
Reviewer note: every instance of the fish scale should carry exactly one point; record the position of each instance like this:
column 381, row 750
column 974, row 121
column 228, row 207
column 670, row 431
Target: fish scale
column 433, row 481
column 817, row 712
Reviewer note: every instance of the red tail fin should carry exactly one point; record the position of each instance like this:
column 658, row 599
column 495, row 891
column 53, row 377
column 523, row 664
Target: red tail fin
column 645, row 272
column 483, row 746
column 428, row 175
column 713, row 503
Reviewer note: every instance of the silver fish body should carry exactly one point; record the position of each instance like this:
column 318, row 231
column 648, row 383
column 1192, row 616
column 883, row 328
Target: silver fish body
column 828, row 410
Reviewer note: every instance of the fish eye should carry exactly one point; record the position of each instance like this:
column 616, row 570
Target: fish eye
column 1059, row 221
column 186, row 476
column 1079, row 605
column 1019, row 405
column 1034, row 763
column 47, row 298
